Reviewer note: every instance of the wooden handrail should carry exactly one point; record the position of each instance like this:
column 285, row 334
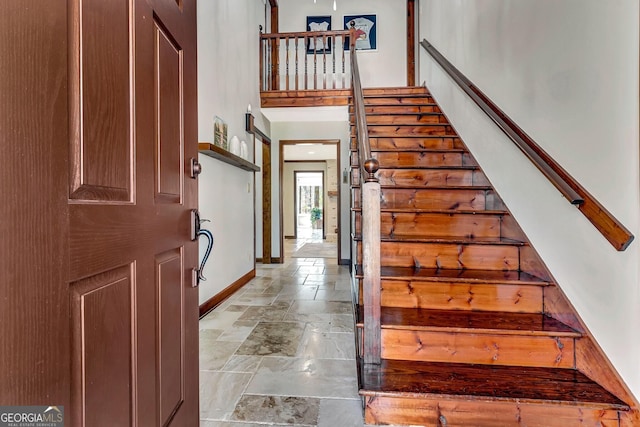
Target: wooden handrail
column 612, row 229
column 370, row 193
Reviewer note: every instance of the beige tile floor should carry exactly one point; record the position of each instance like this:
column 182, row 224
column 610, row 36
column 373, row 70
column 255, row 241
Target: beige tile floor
column 281, row 350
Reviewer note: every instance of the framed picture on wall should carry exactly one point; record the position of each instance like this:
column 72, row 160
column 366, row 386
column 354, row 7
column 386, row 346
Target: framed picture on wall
column 366, row 27
column 318, row 44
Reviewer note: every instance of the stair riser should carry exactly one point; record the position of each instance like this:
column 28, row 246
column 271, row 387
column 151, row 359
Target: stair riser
column 461, row 296
column 416, row 100
column 432, row 177
column 410, row 91
column 400, row 143
column 435, row 411
column 435, row 129
column 399, row 109
column 404, row 119
column 448, row 255
column 437, row 225
column 419, row 159
column 485, row 349
column 458, row 199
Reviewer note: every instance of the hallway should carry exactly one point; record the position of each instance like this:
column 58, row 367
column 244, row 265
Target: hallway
column 281, row 350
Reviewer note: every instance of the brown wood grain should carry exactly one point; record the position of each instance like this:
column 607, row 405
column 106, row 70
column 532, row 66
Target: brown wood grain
column 450, row 256
column 439, row 411
column 395, row 91
column 424, row 129
column 266, row 205
column 406, row 119
column 413, row 143
column 400, row 109
column 411, row 42
column 419, row 99
column 34, row 183
column 453, row 198
column 425, row 159
column 557, row 306
column 487, row 382
column 592, row 362
column 462, row 296
column 478, row 348
column 428, row 177
column 440, row 224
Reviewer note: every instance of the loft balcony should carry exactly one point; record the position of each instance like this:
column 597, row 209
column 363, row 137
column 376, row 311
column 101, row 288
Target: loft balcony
column 305, row 69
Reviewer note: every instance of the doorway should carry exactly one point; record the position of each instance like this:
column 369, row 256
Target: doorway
column 309, row 205
column 298, row 159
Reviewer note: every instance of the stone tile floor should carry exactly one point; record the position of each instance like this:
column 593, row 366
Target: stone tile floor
column 281, row 351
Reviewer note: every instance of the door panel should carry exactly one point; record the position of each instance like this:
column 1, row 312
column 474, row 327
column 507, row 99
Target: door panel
column 100, row 66
column 150, row 228
column 168, row 63
column 97, row 310
column 170, row 329
column 103, row 348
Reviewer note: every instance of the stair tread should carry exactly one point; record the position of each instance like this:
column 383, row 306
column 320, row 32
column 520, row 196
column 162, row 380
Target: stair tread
column 414, row 150
column 463, row 240
column 505, row 323
column 459, row 276
column 430, row 167
column 404, row 113
column 411, row 135
column 438, row 211
column 437, row 187
column 429, row 188
column 395, row 95
column 492, row 382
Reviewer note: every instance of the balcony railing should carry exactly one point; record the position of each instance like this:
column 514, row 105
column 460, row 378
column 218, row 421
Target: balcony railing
column 304, row 61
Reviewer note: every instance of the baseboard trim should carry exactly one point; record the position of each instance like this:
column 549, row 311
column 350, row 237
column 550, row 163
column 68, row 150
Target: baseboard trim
column 344, row 262
column 289, row 237
column 219, row 298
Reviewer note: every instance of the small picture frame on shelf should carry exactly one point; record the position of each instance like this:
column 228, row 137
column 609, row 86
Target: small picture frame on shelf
column 220, row 133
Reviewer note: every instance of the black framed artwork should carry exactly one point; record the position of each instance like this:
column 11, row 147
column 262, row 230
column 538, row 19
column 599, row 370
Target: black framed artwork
column 318, row 44
column 366, row 27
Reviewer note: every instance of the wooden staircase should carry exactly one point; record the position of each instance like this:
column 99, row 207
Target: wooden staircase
column 470, row 320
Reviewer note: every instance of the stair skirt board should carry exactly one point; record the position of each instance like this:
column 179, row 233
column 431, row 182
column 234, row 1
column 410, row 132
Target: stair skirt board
column 475, row 331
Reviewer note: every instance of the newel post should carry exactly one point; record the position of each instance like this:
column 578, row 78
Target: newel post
column 371, row 262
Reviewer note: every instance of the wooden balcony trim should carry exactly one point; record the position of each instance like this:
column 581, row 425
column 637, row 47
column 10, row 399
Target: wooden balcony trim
column 610, row 227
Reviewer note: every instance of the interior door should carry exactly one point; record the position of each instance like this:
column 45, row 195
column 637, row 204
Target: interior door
column 134, row 312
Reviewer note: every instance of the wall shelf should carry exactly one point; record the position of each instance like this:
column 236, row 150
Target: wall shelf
column 223, row 155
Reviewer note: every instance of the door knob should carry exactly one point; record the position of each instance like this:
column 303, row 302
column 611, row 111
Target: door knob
column 196, row 168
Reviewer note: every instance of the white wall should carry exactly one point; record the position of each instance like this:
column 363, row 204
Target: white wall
column 311, row 130
column 567, row 73
column 228, row 43
column 392, row 30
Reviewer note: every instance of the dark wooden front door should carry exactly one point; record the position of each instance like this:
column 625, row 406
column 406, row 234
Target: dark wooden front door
column 110, row 288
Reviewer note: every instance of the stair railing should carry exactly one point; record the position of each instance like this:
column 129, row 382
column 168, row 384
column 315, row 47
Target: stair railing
column 370, row 215
column 312, row 60
column 609, row 226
